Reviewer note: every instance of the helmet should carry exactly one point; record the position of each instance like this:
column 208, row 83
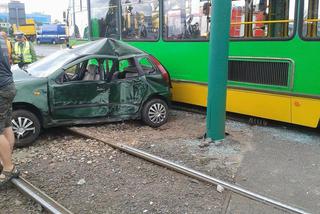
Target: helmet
column 19, row 35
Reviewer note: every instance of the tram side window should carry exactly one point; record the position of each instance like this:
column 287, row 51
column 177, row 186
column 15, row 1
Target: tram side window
column 140, row 20
column 262, row 18
column 186, row 20
column 237, row 18
column 311, row 19
column 104, row 19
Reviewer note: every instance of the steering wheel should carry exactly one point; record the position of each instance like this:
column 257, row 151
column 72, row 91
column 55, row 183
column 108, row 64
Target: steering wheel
column 66, row 77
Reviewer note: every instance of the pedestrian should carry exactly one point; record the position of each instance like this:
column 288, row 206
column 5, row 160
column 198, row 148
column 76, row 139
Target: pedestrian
column 23, row 51
column 7, row 93
column 9, row 45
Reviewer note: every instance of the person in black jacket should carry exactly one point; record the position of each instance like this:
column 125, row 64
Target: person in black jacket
column 7, row 93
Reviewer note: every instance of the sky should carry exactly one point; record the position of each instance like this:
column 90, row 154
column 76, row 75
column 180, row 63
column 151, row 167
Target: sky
column 54, row 8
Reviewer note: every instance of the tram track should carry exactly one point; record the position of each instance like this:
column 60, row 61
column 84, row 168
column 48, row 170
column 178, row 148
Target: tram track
column 194, row 174
column 39, row 196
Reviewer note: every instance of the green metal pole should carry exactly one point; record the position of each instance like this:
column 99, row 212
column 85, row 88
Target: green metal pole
column 89, row 21
column 218, row 69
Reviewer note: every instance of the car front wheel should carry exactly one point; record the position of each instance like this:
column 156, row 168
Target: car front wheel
column 155, row 113
column 26, row 127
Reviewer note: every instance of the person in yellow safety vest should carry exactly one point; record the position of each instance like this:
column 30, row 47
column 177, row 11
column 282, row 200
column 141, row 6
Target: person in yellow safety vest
column 9, row 46
column 23, row 51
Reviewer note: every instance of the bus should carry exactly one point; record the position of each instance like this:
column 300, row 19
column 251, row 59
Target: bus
column 274, row 70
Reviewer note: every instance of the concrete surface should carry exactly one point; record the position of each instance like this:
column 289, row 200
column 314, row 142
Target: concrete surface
column 283, row 166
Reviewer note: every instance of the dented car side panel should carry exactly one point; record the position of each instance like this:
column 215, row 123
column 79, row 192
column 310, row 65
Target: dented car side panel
column 126, row 96
column 81, row 99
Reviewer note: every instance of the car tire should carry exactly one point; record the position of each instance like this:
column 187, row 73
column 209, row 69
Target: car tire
column 26, row 127
column 155, row 113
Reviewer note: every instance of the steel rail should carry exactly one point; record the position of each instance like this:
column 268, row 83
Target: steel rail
column 40, row 197
column 196, row 174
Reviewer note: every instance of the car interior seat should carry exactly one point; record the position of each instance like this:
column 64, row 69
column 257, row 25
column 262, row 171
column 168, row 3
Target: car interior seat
column 97, row 75
column 113, row 74
column 90, row 74
column 80, row 72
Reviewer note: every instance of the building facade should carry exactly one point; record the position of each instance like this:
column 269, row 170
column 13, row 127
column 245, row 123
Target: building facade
column 17, row 13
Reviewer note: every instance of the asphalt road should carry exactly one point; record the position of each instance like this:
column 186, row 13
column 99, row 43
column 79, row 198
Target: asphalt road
column 45, row 50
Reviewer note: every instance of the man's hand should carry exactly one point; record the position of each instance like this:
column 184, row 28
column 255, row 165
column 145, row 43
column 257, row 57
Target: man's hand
column 14, row 56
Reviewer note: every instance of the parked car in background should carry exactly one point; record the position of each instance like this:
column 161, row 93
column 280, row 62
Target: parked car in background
column 101, row 81
column 52, row 33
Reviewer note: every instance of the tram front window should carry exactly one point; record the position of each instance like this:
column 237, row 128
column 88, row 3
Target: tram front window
column 262, row 18
column 140, row 19
column 104, row 19
column 186, row 19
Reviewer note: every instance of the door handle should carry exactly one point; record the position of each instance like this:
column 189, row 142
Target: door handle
column 100, row 89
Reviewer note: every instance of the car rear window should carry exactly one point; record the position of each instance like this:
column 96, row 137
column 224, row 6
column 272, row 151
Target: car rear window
column 147, row 66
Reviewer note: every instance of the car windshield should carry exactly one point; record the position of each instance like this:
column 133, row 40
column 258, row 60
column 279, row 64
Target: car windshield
column 51, row 63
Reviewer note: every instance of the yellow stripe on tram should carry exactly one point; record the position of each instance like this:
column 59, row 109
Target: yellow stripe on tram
column 287, row 108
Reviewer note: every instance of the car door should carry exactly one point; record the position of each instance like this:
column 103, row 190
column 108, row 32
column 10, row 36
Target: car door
column 72, row 97
column 127, row 90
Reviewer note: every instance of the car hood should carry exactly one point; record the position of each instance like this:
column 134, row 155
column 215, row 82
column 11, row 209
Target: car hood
column 21, row 75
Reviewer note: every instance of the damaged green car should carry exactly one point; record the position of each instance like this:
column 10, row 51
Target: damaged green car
column 101, row 81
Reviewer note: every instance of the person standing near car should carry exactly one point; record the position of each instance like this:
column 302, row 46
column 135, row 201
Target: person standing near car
column 9, row 45
column 23, row 51
column 7, row 93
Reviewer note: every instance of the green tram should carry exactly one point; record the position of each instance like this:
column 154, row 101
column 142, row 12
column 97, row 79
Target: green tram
column 274, row 68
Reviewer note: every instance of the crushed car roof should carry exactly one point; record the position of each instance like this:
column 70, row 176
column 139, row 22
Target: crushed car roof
column 107, row 47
